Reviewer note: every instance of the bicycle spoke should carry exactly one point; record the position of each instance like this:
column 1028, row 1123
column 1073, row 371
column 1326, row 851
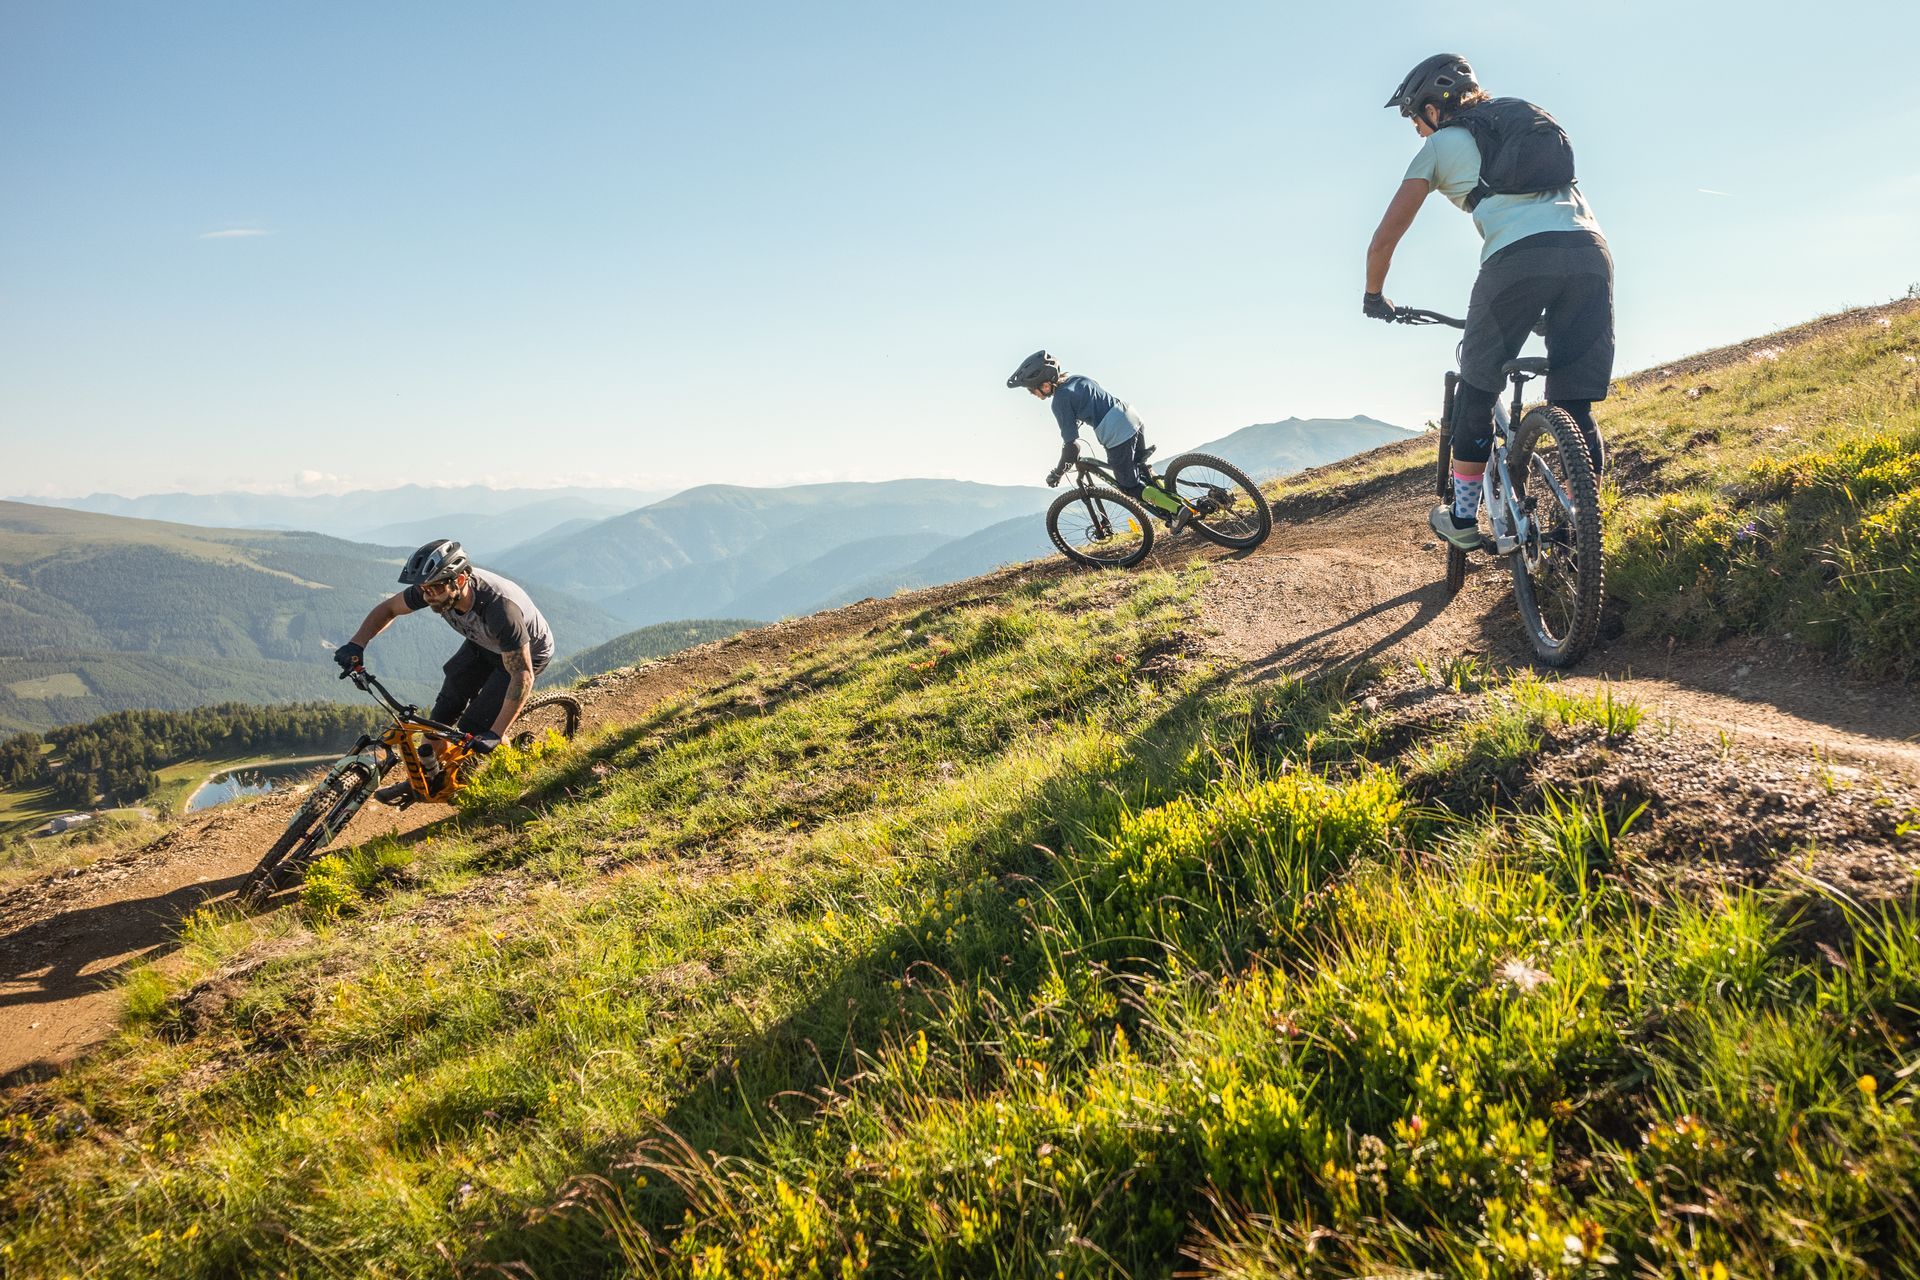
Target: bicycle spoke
column 1097, row 528
column 1224, row 504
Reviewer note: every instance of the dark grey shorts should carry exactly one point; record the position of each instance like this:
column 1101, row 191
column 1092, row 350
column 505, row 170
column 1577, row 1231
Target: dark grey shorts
column 1568, row 275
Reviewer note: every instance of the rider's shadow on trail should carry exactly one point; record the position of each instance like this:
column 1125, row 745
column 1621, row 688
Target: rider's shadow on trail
column 59, row 958
column 1429, row 601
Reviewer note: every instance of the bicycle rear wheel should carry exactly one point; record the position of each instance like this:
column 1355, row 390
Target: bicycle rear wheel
column 321, row 816
column 1100, row 528
column 550, row 713
column 1228, row 507
column 1559, row 574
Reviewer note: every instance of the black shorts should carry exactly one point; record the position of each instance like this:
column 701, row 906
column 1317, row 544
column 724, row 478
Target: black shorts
column 1569, row 276
column 475, row 688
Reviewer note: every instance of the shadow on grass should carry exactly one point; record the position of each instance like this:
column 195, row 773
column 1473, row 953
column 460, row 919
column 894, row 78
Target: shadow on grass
column 788, row 1070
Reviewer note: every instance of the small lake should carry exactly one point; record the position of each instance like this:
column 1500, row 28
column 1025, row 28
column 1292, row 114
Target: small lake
column 251, row 780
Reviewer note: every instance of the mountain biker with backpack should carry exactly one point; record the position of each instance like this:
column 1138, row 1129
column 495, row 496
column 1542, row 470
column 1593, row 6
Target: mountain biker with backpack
column 1510, row 165
column 1076, row 400
column 506, row 640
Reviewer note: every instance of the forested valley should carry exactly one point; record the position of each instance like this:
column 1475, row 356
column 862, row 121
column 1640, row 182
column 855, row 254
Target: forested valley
column 116, row 756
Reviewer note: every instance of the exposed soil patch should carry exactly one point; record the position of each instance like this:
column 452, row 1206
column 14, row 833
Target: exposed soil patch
column 66, row 938
column 1348, row 576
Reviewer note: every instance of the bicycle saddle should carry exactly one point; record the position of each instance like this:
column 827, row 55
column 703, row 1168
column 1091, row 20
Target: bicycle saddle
column 1532, row 366
column 1148, row 452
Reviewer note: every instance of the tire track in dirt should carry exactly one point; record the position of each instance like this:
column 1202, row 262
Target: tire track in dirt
column 65, row 938
column 1346, row 577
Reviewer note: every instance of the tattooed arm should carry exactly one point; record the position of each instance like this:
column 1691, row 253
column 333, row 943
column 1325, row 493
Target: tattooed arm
column 519, row 664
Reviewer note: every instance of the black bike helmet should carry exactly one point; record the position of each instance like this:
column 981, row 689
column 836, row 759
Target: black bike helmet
column 1441, row 80
column 441, row 560
column 1035, row 369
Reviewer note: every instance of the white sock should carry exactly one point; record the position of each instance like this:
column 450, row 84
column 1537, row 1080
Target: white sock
column 1466, row 497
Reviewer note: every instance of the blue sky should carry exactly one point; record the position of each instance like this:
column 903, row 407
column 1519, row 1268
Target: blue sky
column 662, row 244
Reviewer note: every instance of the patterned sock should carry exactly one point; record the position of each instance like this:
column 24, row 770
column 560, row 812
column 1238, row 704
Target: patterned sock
column 1466, row 497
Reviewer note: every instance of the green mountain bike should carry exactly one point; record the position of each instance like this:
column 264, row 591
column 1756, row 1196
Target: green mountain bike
column 1542, row 507
column 1096, row 525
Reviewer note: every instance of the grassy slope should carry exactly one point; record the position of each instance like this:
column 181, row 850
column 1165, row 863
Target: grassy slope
column 1002, row 941
column 1778, row 495
column 1782, row 496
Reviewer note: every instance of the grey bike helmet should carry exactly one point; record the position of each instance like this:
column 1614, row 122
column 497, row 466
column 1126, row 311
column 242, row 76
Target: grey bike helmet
column 1441, row 80
column 1035, row 369
column 441, row 560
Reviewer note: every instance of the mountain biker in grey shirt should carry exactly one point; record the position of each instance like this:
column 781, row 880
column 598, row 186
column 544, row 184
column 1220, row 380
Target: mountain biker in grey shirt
column 506, row 640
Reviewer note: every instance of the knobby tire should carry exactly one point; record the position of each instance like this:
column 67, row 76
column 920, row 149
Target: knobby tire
column 556, row 712
column 1247, row 520
column 1562, row 634
column 1113, row 504
column 321, row 816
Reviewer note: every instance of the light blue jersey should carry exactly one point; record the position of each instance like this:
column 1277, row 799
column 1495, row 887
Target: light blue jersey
column 1449, row 162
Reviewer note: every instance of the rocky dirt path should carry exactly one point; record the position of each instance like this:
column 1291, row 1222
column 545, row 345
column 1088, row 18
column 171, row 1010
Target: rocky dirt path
column 64, row 938
column 1364, row 581
column 1341, row 580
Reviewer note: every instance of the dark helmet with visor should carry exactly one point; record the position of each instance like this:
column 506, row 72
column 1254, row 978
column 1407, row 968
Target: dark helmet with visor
column 1441, row 81
column 1035, row 369
column 441, row 560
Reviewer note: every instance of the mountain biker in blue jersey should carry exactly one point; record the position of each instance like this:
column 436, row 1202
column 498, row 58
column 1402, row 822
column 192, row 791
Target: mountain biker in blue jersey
column 1078, row 400
column 506, row 641
column 1542, row 253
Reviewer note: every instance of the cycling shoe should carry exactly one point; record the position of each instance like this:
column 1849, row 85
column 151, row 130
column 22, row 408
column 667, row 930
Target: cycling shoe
column 1464, row 536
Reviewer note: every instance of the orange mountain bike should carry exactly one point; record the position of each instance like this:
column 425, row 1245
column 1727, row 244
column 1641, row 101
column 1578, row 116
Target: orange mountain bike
column 438, row 758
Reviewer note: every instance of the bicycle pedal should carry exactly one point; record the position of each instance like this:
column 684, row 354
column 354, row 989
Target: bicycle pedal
column 395, row 795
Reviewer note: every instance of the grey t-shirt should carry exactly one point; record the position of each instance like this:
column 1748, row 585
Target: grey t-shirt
column 502, row 619
column 1449, row 162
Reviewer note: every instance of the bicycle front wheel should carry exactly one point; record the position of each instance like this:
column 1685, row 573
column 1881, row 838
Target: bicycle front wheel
column 1228, row 507
column 551, row 713
column 1100, row 528
column 1558, row 573
column 321, row 816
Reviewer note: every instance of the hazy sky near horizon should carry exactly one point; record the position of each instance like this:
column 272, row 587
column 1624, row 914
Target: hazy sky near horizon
column 656, row 244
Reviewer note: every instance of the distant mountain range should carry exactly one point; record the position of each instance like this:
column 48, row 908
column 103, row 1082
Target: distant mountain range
column 486, row 519
column 729, row 551
column 102, row 613
column 104, row 608
column 1269, row 449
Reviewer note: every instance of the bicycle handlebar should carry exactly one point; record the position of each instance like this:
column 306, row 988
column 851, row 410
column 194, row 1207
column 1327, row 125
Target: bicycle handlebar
column 368, row 683
column 1415, row 315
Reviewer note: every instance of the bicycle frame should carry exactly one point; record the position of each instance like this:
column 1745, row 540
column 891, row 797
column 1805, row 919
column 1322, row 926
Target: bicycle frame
column 1514, row 526
column 1087, row 469
column 401, row 743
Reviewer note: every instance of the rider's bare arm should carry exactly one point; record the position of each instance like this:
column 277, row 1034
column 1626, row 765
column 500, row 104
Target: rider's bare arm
column 519, row 664
column 1393, row 225
column 383, row 613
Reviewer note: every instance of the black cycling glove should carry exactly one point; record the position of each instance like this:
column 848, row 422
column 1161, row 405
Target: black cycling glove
column 483, row 743
column 348, row 656
column 1375, row 306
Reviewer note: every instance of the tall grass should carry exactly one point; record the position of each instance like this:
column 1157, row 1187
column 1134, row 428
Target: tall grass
column 1788, row 502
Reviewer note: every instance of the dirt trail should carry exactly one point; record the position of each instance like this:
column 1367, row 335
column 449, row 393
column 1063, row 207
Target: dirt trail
column 1340, row 581
column 65, row 937
column 1364, row 581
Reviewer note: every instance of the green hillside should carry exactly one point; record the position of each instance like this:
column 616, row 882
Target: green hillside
column 643, row 645
column 102, row 613
column 1013, row 939
column 707, row 551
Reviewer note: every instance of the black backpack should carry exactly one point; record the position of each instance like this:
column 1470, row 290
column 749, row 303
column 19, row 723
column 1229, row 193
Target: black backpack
column 1523, row 150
